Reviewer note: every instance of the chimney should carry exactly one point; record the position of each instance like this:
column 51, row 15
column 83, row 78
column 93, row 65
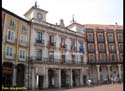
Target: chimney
column 62, row 23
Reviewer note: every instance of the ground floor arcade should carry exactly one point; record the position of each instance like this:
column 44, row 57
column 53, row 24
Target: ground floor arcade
column 57, row 76
column 102, row 73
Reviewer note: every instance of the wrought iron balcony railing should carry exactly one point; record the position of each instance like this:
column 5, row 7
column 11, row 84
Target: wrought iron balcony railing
column 55, row 61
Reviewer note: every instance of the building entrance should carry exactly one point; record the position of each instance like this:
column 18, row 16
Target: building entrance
column 63, row 78
column 51, row 78
column 85, row 80
column 40, row 82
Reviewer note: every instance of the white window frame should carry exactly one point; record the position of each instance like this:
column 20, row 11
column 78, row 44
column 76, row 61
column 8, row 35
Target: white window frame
column 12, row 23
column 23, row 28
column 23, row 53
column 9, row 56
column 12, row 36
column 39, row 54
column 23, row 40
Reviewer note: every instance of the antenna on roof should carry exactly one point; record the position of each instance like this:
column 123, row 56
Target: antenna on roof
column 73, row 20
column 36, row 4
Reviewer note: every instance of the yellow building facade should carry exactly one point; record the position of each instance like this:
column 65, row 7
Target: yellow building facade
column 15, row 49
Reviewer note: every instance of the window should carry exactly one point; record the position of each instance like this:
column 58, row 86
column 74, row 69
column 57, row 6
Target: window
column 39, row 54
column 23, row 40
column 102, row 58
column 62, row 42
column 91, row 58
column 9, row 51
column 121, row 57
column 12, row 23
column 63, row 58
column 110, row 37
column 39, row 38
column 81, row 49
column 73, row 58
column 121, row 47
column 23, row 28
column 112, row 47
column 90, row 37
column 81, row 56
column 73, row 45
column 101, row 48
column 90, row 48
column 100, row 37
column 52, row 43
column 22, row 54
column 51, row 56
column 120, row 37
column 11, row 36
column 112, row 58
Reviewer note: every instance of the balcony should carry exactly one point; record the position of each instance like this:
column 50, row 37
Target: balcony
column 10, row 56
column 23, row 43
column 51, row 44
column 55, row 61
column 11, row 40
column 73, row 48
column 23, row 59
column 39, row 42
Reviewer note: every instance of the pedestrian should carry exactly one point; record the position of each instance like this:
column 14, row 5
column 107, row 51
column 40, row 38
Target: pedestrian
column 112, row 80
column 89, row 82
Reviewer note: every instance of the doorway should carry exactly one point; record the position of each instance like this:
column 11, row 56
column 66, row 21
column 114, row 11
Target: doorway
column 40, row 82
column 85, row 80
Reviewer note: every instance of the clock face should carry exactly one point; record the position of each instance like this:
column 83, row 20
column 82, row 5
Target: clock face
column 39, row 16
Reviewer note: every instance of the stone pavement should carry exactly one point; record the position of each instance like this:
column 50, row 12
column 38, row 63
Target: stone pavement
column 109, row 87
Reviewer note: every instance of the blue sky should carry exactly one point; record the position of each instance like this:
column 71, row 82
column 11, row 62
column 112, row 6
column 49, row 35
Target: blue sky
column 85, row 11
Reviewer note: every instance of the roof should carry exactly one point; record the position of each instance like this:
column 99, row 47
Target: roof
column 99, row 26
column 35, row 8
column 15, row 15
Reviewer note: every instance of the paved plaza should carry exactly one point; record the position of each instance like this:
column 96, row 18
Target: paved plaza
column 109, row 87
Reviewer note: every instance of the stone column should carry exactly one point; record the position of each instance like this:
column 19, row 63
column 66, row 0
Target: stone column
column 46, row 78
column 81, row 77
column 98, row 72
column 71, row 79
column 119, row 70
column 109, row 73
column 14, row 75
column 33, row 78
column 59, row 77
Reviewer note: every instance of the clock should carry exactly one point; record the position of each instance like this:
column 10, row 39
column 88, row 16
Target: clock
column 39, row 16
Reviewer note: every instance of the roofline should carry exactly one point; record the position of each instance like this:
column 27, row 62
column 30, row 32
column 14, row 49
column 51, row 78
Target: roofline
column 15, row 15
column 74, row 23
column 35, row 8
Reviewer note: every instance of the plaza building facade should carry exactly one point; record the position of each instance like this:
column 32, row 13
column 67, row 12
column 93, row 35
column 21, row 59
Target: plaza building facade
column 57, row 54
column 15, row 49
column 39, row 55
column 104, row 49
